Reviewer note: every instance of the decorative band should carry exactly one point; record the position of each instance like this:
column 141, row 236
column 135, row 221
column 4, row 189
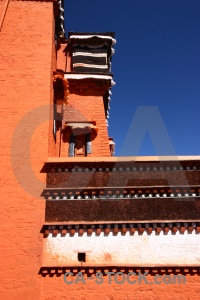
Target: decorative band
column 59, row 169
column 123, row 228
column 58, row 271
column 121, row 193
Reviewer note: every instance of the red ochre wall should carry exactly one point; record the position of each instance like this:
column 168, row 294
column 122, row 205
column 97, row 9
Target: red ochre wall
column 113, row 291
column 26, row 52
column 26, row 65
column 89, row 108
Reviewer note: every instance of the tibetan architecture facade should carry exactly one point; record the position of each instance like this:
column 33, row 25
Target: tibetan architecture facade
column 76, row 221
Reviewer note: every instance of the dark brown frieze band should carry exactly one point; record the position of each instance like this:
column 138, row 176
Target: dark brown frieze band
column 123, row 210
column 118, row 166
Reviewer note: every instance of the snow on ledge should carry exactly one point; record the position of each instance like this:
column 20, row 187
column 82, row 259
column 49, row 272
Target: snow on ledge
column 84, row 76
column 91, row 36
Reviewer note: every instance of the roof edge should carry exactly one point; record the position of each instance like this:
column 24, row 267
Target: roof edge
column 116, row 159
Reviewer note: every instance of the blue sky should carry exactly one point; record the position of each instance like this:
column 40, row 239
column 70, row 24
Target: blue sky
column 156, row 68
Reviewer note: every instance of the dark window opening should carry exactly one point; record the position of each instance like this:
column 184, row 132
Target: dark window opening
column 81, row 256
column 72, row 145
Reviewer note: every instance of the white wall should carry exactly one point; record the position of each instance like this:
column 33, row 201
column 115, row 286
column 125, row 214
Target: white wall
column 131, row 250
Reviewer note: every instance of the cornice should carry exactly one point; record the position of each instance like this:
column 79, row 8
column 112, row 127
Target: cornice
column 121, row 228
column 151, row 270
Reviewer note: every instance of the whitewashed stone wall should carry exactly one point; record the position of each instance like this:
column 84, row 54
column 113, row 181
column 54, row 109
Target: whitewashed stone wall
column 131, row 250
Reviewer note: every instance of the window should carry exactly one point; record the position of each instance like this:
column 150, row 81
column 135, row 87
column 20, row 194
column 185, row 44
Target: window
column 90, row 59
column 80, row 138
column 80, row 145
column 81, row 256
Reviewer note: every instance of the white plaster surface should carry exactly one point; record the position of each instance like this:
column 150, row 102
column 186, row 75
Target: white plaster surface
column 131, row 250
column 83, row 76
column 91, row 36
